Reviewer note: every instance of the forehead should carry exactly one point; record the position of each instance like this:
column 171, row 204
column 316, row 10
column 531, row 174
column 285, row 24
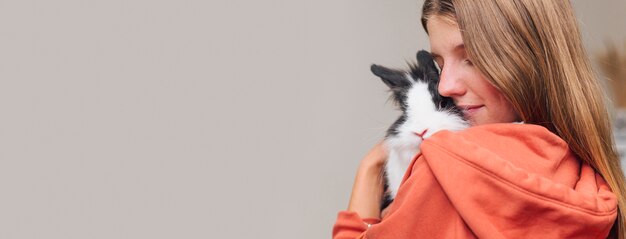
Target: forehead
column 444, row 36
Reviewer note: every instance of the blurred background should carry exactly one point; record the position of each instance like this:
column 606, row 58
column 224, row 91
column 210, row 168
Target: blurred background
column 203, row 119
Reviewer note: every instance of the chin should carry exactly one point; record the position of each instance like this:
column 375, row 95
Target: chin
column 476, row 121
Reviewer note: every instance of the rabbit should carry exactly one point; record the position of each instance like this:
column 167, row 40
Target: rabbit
column 424, row 112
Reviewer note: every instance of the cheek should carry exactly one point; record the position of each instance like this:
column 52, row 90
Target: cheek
column 500, row 109
column 484, row 89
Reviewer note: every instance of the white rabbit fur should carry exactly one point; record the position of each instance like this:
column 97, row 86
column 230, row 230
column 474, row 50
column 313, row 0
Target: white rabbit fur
column 424, row 113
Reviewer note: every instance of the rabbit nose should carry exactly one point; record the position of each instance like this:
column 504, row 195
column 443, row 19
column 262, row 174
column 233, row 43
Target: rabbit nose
column 421, row 135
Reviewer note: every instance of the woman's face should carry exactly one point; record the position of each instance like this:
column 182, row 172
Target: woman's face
column 479, row 100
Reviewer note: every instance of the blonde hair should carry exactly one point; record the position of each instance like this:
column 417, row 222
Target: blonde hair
column 531, row 50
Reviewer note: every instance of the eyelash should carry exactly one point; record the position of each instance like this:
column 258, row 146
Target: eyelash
column 466, row 61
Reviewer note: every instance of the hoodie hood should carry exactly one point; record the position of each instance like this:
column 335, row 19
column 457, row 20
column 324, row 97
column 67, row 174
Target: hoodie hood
column 499, row 181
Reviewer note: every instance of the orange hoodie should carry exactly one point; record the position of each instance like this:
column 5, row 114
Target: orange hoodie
column 493, row 181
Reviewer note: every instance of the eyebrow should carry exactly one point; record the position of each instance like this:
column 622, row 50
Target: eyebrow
column 456, row 48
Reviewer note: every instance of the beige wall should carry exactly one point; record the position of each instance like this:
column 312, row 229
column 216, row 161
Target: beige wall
column 601, row 22
column 197, row 119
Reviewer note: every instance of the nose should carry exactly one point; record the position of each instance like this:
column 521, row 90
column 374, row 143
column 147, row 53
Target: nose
column 450, row 82
column 422, row 134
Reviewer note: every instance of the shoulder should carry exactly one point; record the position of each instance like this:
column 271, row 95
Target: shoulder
column 495, row 135
column 528, row 146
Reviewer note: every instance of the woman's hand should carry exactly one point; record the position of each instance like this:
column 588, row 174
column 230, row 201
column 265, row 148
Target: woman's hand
column 367, row 192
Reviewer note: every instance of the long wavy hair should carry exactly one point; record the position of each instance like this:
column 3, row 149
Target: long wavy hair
column 531, row 50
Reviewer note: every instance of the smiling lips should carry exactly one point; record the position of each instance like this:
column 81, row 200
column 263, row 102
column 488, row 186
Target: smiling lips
column 469, row 109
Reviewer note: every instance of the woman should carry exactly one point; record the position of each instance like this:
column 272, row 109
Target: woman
column 555, row 176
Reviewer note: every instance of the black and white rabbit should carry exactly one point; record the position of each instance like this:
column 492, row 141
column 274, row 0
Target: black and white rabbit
column 424, row 112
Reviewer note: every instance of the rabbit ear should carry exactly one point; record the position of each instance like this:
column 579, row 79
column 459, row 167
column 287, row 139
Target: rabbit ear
column 431, row 74
column 395, row 79
column 426, row 63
